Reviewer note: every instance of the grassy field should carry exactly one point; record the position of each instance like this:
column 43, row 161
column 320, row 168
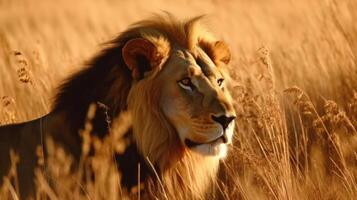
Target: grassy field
column 295, row 75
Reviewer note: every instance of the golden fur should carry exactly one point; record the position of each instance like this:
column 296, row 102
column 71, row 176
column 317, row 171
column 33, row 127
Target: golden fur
column 122, row 81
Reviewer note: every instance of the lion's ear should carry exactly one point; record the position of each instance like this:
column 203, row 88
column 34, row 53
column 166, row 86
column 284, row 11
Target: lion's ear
column 217, row 51
column 140, row 55
column 222, row 52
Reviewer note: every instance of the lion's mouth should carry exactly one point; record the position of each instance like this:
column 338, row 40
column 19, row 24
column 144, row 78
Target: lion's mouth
column 190, row 144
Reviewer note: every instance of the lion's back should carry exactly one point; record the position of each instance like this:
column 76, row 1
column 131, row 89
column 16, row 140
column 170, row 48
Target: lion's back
column 9, row 138
column 23, row 140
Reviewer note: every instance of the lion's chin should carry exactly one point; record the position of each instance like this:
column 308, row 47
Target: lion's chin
column 216, row 148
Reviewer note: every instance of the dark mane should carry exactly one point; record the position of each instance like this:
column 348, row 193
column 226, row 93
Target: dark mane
column 92, row 85
column 107, row 80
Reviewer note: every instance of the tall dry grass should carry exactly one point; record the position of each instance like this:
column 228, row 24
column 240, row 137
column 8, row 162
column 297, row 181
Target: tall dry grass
column 295, row 81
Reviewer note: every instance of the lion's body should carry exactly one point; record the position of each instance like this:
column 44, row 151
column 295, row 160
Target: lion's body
column 118, row 77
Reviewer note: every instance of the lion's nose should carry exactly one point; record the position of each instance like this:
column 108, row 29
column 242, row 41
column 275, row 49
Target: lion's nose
column 223, row 120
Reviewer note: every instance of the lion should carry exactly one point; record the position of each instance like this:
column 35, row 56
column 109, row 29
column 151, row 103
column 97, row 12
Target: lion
column 171, row 76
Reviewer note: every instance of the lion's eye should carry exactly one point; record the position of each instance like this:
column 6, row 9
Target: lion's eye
column 220, row 82
column 186, row 84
